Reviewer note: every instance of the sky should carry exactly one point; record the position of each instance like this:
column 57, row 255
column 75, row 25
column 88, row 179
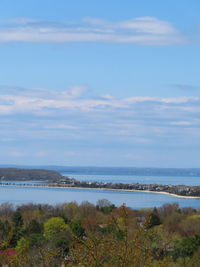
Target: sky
column 100, row 83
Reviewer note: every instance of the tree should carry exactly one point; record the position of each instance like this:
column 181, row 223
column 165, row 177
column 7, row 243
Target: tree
column 55, row 226
column 71, row 210
column 152, row 220
column 17, row 219
column 186, row 246
column 34, row 227
column 121, row 247
column 76, row 227
column 191, row 225
column 6, row 209
column 105, row 206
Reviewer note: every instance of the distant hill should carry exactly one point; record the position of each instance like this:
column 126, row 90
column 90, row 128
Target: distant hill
column 92, row 170
column 16, row 174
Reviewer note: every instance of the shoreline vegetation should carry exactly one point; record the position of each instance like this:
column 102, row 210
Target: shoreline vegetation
column 54, row 179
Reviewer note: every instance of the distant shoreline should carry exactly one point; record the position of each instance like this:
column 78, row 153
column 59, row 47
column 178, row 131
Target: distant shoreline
column 53, row 179
column 106, row 189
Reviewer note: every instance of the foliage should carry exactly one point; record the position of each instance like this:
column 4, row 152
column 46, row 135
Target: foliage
column 76, row 227
column 152, row 220
column 17, row 218
column 54, row 226
column 99, row 236
column 186, row 246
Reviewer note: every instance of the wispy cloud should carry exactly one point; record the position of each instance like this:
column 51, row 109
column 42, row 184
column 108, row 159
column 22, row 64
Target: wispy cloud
column 141, row 31
column 41, row 123
column 181, row 123
column 39, row 100
column 148, row 25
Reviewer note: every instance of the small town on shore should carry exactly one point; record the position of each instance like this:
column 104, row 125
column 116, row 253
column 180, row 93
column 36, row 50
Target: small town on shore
column 48, row 178
column 182, row 190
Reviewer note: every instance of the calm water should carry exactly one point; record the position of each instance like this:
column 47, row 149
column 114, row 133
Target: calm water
column 134, row 175
column 136, row 200
column 173, row 180
column 128, row 174
column 124, row 175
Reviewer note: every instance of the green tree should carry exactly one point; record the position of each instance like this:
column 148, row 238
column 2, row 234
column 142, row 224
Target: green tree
column 152, row 220
column 34, row 227
column 76, row 227
column 186, row 247
column 55, row 226
column 17, row 218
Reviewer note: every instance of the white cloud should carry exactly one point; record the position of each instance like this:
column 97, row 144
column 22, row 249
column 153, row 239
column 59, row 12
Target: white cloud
column 40, row 117
column 34, row 101
column 181, row 123
column 148, row 25
column 142, row 31
column 168, row 100
column 76, row 91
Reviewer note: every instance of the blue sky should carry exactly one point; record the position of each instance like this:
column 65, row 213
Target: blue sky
column 102, row 83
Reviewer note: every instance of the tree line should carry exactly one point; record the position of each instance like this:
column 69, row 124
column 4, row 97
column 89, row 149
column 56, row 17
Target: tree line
column 100, row 235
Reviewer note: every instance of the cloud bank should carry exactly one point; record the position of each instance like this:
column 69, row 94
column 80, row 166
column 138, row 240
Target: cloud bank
column 20, row 100
column 140, row 31
column 72, row 124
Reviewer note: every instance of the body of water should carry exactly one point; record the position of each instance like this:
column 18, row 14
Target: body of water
column 135, row 200
column 21, row 195
column 164, row 180
column 134, row 175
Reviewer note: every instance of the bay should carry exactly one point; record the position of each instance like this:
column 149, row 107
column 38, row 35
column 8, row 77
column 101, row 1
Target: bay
column 164, row 176
column 141, row 179
column 135, row 200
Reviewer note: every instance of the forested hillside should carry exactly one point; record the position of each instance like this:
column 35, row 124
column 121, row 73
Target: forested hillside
column 98, row 236
column 15, row 174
